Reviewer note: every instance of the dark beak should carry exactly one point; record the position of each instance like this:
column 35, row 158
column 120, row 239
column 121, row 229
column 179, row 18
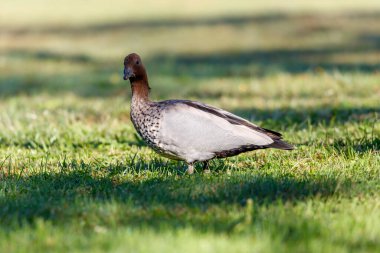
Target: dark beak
column 127, row 73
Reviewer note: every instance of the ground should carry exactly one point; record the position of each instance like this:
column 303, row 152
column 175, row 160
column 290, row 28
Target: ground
column 75, row 177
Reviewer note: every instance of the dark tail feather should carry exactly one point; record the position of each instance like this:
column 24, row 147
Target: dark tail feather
column 280, row 145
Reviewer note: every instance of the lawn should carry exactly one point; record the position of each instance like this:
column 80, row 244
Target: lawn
column 75, row 177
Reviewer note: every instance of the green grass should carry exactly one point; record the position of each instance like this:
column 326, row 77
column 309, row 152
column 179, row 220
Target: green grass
column 75, row 177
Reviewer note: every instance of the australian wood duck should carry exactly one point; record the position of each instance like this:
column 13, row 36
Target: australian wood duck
column 191, row 131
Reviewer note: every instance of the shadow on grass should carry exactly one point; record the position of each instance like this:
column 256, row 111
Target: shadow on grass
column 358, row 146
column 261, row 63
column 373, row 145
column 152, row 24
column 99, row 81
column 163, row 201
column 303, row 117
column 48, row 55
column 95, row 78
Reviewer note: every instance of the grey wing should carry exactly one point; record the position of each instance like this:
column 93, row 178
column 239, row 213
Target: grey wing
column 232, row 118
column 198, row 134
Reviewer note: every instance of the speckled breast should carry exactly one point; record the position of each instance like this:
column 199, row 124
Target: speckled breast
column 146, row 120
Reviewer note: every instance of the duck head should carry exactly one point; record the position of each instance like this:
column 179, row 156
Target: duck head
column 134, row 70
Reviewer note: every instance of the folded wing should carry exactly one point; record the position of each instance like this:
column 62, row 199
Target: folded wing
column 196, row 129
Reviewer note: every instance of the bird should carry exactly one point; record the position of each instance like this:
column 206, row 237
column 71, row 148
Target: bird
column 191, row 131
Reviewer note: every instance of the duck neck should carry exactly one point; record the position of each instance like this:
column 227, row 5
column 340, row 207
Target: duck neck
column 140, row 90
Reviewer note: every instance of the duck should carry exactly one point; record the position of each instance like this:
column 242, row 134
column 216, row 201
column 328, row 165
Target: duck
column 191, row 131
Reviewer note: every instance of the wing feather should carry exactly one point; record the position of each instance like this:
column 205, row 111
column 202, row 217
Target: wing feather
column 232, row 118
column 191, row 129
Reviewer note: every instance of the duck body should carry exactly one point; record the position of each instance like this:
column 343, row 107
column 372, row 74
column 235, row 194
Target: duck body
column 195, row 132
column 188, row 130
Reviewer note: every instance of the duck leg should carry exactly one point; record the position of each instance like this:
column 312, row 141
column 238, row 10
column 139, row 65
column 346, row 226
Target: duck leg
column 190, row 168
column 206, row 170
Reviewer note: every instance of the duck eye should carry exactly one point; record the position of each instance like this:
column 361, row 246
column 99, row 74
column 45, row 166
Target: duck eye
column 137, row 62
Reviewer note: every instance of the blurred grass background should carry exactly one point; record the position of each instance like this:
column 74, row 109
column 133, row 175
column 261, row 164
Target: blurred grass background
column 75, row 177
column 76, row 47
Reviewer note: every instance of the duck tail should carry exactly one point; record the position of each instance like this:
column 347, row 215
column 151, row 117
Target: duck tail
column 279, row 144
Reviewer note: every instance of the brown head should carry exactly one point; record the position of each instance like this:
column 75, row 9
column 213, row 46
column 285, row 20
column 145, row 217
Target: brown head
column 135, row 72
